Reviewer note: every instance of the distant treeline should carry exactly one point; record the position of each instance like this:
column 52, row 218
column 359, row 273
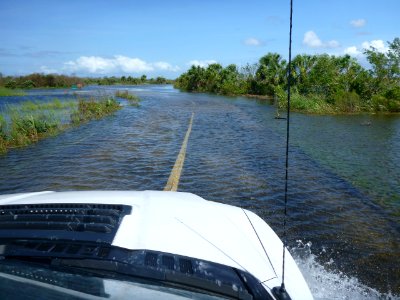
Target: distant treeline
column 129, row 80
column 320, row 83
column 37, row 80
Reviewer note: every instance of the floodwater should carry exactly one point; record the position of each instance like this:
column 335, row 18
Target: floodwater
column 344, row 174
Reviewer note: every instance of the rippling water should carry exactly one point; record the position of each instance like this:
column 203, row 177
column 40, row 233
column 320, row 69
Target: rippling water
column 344, row 191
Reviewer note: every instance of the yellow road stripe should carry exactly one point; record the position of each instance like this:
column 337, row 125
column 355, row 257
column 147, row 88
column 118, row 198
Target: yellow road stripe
column 173, row 180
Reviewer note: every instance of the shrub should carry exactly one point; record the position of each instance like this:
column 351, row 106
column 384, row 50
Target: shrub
column 306, row 103
column 393, row 93
column 12, row 84
column 393, row 105
column 379, row 103
column 347, row 101
column 28, row 84
column 310, row 103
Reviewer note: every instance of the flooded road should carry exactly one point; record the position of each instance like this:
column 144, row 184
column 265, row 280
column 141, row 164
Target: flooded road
column 344, row 191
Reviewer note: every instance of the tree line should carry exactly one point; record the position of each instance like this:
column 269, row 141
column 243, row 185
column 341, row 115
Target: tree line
column 320, row 83
column 38, row 80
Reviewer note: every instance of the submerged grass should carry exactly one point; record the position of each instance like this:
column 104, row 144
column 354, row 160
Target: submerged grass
column 93, row 109
column 9, row 92
column 28, row 106
column 27, row 123
column 132, row 99
column 30, row 128
column 24, row 129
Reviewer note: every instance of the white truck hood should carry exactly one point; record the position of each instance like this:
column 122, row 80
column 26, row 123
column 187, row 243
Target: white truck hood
column 185, row 224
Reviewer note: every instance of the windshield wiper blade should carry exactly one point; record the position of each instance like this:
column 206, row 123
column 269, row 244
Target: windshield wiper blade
column 104, row 267
column 110, row 261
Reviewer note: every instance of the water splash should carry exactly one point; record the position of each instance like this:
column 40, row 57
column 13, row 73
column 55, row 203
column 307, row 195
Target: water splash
column 331, row 285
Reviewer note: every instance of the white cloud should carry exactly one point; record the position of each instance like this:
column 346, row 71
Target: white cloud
column 353, row 51
column 201, row 63
column 377, row 44
column 358, row 23
column 127, row 64
column 252, row 42
column 312, row 40
column 119, row 63
column 91, row 64
column 161, row 65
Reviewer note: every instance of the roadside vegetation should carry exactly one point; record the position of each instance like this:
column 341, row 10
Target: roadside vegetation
column 320, row 83
column 27, row 123
column 131, row 98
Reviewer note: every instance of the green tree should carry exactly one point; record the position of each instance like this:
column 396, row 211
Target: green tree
column 231, row 81
column 385, row 67
column 301, row 69
column 271, row 73
column 11, row 84
column 385, row 70
column 394, row 58
column 213, row 78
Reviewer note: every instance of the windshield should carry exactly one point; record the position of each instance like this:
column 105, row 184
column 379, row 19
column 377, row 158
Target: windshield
column 61, row 269
column 33, row 281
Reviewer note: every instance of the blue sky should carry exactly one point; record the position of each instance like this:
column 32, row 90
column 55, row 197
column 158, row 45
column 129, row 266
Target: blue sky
column 163, row 38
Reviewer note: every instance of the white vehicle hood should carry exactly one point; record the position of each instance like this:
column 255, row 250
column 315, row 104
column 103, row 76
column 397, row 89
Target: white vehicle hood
column 185, row 224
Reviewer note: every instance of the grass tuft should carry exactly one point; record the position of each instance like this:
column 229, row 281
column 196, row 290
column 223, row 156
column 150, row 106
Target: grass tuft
column 132, row 99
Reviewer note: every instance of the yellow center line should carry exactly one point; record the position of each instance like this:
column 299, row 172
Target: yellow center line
column 173, row 180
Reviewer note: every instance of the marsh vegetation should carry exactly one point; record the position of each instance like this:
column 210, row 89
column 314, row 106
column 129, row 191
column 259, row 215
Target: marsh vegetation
column 28, row 122
column 131, row 98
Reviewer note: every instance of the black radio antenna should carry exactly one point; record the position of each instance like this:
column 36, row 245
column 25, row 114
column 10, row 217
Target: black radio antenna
column 280, row 292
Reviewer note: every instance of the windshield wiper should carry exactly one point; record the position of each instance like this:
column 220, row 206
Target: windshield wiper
column 111, row 262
